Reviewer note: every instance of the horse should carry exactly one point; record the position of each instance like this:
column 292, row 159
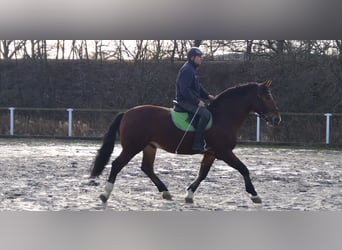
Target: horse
column 149, row 127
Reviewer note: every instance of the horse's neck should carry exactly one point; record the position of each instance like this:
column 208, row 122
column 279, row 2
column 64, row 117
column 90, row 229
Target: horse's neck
column 232, row 112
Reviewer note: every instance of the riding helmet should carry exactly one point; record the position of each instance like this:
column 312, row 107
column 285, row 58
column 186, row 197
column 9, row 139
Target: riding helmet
column 194, row 51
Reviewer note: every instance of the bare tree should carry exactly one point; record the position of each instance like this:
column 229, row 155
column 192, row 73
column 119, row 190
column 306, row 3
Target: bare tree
column 212, row 46
column 99, row 54
column 339, row 48
column 10, row 48
column 197, row 43
column 276, row 46
column 5, row 48
column 119, row 50
column 39, row 49
column 44, row 50
column 73, row 50
column 85, row 46
column 157, row 50
column 173, row 51
column 248, row 54
column 183, row 48
column 337, row 67
column 60, row 48
column 141, row 49
column 26, row 54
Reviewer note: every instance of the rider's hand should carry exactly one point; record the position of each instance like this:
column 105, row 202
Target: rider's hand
column 201, row 104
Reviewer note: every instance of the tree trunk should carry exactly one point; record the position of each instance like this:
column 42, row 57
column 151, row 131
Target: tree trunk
column 197, row 43
column 248, row 55
column 173, row 52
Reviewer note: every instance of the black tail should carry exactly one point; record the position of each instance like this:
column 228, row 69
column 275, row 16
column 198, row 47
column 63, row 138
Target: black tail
column 104, row 153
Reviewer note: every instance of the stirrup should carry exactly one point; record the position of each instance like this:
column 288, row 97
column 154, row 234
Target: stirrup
column 202, row 148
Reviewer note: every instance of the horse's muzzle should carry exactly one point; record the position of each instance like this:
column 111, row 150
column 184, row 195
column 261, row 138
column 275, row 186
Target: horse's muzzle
column 272, row 119
column 275, row 120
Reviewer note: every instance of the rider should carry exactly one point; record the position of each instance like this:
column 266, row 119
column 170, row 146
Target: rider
column 189, row 95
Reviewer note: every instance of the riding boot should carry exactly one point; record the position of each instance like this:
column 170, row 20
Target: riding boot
column 199, row 142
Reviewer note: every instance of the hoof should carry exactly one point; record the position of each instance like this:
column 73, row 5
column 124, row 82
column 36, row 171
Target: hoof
column 103, row 198
column 189, row 200
column 167, row 196
column 256, row 199
column 189, row 197
column 93, row 183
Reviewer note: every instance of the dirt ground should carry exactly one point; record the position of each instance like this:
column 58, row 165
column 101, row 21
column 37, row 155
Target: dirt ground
column 53, row 175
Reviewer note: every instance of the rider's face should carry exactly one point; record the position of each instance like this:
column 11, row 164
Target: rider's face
column 198, row 60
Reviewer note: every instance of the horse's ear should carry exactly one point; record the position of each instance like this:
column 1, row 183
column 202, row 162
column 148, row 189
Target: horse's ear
column 268, row 83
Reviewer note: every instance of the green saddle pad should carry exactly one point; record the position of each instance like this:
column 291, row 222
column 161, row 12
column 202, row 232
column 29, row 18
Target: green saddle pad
column 182, row 119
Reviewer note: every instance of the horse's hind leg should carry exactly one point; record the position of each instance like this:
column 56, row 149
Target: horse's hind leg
column 149, row 154
column 206, row 163
column 117, row 165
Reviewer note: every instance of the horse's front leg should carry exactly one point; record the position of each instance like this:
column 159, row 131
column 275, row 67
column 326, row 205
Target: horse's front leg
column 231, row 159
column 206, row 163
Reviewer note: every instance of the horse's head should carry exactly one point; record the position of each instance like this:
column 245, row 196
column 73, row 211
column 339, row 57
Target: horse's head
column 265, row 105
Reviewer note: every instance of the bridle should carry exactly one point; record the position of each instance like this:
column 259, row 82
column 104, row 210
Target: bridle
column 264, row 109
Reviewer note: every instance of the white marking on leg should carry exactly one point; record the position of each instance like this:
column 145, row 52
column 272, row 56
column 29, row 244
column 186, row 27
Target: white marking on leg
column 108, row 189
column 190, row 194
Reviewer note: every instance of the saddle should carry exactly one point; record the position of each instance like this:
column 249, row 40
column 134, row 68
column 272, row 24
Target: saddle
column 181, row 118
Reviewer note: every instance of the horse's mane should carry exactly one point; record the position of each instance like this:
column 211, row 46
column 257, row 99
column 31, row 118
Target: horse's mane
column 236, row 90
column 232, row 92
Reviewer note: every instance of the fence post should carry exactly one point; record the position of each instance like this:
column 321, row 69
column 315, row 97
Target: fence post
column 11, row 109
column 258, row 128
column 70, row 122
column 327, row 133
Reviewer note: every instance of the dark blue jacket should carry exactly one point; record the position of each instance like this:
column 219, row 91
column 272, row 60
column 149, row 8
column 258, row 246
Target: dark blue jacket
column 188, row 87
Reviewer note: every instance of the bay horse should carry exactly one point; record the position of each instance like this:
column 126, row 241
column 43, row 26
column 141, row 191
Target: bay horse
column 146, row 128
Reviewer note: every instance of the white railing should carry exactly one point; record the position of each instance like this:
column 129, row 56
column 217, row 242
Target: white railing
column 70, row 122
column 258, row 133
column 11, row 109
column 327, row 126
column 258, row 124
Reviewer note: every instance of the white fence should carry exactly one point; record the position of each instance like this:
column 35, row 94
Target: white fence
column 327, row 128
column 70, row 123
